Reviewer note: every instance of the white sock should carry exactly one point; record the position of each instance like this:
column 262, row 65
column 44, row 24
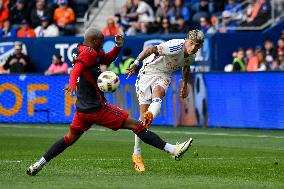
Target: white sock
column 42, row 161
column 137, row 146
column 155, row 106
column 169, row 148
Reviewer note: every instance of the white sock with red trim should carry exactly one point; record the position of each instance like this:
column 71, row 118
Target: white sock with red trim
column 155, row 106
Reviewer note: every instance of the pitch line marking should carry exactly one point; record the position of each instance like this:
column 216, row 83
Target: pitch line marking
column 164, row 132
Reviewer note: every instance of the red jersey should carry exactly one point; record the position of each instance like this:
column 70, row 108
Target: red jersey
column 85, row 74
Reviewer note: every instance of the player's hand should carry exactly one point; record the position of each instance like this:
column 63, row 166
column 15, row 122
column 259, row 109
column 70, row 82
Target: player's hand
column 69, row 90
column 184, row 91
column 131, row 70
column 119, row 40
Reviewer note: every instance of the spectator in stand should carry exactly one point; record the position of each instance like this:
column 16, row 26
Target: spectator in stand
column 64, row 17
column 18, row 62
column 145, row 16
column 275, row 66
column 205, row 25
column 231, row 5
column 127, row 59
column 4, row 13
column 180, row 26
column 112, row 67
column 166, row 27
column 163, row 10
column 282, row 33
column 248, row 10
column 52, row 5
column 25, row 31
column 200, row 9
column 123, row 19
column 269, row 50
column 280, row 43
column 111, row 29
column 239, row 64
column 252, row 60
column 39, row 11
column 7, row 30
column 6, row 2
column 179, row 9
column 18, row 14
column 46, row 29
column 263, row 64
column 281, row 60
column 232, row 14
column 260, row 14
column 57, row 66
column 228, row 21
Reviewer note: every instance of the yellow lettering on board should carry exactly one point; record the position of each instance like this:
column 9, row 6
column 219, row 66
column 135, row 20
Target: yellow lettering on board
column 36, row 100
column 18, row 103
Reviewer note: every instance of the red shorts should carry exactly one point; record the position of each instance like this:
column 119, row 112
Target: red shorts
column 110, row 116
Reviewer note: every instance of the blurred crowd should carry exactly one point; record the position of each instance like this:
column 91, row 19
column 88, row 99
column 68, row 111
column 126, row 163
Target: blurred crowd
column 39, row 18
column 178, row 16
column 266, row 57
column 50, row 18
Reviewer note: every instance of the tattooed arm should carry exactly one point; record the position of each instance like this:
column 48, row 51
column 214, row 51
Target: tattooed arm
column 147, row 52
column 185, row 80
column 144, row 54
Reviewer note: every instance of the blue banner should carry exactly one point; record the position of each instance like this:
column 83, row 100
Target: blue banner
column 40, row 50
column 41, row 99
column 245, row 100
column 235, row 100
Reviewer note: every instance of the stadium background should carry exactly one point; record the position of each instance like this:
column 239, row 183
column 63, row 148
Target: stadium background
column 210, row 104
column 236, row 103
column 33, row 105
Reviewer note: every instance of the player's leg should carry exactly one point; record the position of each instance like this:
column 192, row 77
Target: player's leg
column 115, row 118
column 154, row 140
column 154, row 109
column 77, row 128
column 136, row 157
column 57, row 148
column 144, row 94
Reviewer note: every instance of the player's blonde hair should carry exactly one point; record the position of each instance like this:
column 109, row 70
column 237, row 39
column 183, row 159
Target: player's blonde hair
column 196, row 35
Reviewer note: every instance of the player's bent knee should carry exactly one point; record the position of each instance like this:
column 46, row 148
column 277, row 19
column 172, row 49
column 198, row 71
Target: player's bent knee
column 67, row 140
column 139, row 128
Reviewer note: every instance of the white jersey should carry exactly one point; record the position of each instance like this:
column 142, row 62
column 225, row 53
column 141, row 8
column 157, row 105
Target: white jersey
column 171, row 59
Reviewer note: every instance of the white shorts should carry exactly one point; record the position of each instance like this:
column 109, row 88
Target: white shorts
column 145, row 84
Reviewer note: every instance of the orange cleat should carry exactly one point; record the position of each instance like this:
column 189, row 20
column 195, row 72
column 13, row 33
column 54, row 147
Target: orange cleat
column 138, row 163
column 148, row 118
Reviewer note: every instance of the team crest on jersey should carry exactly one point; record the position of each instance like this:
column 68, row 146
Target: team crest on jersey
column 75, row 53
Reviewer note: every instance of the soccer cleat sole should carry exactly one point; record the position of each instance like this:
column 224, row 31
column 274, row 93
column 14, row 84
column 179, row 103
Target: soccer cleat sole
column 177, row 158
column 137, row 169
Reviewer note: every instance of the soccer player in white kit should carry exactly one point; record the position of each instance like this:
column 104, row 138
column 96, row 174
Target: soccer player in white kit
column 153, row 79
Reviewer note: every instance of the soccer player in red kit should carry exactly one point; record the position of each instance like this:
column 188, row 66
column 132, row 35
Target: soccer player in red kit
column 91, row 106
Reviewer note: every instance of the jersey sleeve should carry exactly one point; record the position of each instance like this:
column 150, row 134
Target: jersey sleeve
column 86, row 56
column 110, row 56
column 170, row 47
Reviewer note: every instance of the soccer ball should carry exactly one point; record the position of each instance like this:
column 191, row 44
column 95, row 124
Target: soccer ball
column 108, row 82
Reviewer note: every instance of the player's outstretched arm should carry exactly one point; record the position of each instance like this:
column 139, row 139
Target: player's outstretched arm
column 112, row 55
column 144, row 54
column 76, row 71
column 185, row 79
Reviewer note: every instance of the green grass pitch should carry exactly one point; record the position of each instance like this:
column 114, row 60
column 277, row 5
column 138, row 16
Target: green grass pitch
column 218, row 158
